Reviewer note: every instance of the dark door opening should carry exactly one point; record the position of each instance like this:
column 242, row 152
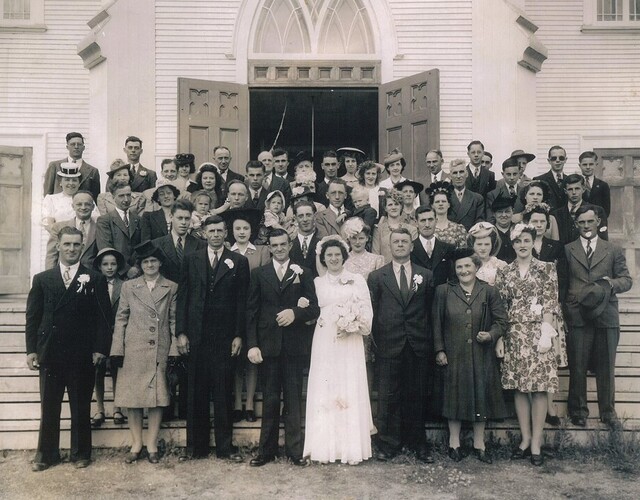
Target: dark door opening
column 316, row 120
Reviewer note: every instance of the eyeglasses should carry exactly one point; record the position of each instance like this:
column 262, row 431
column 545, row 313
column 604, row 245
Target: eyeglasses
column 557, row 158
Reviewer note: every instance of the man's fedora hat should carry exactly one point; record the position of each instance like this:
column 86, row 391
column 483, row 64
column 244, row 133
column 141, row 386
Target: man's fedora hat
column 518, row 153
column 68, row 170
column 594, row 298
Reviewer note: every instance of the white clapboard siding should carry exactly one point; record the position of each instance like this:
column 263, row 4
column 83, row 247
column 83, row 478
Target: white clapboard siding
column 438, row 34
column 192, row 38
column 589, row 84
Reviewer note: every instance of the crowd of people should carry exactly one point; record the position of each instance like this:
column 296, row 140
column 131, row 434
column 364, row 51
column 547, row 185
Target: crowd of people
column 200, row 285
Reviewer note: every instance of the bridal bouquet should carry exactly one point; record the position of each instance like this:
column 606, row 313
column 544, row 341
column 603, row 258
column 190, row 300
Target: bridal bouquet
column 351, row 318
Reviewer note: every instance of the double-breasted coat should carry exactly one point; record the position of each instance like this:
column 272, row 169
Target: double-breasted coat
column 472, row 388
column 144, row 334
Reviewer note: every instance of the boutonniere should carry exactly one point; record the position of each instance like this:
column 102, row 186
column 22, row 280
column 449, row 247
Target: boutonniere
column 229, row 263
column 417, row 281
column 535, row 307
column 296, row 269
column 83, row 279
column 142, row 173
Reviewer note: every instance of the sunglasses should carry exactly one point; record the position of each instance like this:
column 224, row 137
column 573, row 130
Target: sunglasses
column 557, row 158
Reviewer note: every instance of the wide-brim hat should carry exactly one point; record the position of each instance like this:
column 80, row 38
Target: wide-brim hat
column 594, row 298
column 160, row 184
column 182, row 159
column 351, row 152
column 300, row 191
column 68, row 170
column 519, row 153
column 116, row 167
column 297, row 159
column 97, row 261
column 417, row 187
column 252, row 215
column 502, row 202
column 147, row 249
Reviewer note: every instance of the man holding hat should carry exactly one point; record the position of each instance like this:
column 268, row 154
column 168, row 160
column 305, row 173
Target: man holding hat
column 89, row 175
column 597, row 273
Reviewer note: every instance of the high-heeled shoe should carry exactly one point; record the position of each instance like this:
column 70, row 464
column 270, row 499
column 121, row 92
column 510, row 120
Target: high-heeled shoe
column 537, row 460
column 455, row 454
column 153, row 457
column 519, row 454
column 132, row 456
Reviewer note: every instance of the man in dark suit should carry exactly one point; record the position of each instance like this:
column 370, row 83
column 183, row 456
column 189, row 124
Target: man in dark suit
column 277, row 179
column 433, row 161
column 281, row 165
column 330, row 167
column 83, row 206
column 597, row 273
column 279, row 338
column 478, row 180
column 143, row 178
column 330, row 220
column 565, row 215
column 507, row 187
column 89, row 175
column 222, row 160
column 428, row 251
column 303, row 247
column 178, row 244
column 120, row 228
column 557, row 157
column 67, row 334
column 597, row 191
column 401, row 295
column 258, row 188
column 210, row 327
column 467, row 207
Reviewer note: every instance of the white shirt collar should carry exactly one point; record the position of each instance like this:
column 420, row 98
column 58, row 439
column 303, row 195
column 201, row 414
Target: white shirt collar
column 396, row 268
column 335, row 210
column 121, row 213
column 424, row 240
column 594, row 243
column 212, row 253
column 277, row 265
column 301, row 238
column 73, row 270
column 175, row 237
column 76, row 162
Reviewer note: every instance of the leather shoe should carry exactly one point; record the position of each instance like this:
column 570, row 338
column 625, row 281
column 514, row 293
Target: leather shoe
column 519, row 454
column 425, row 455
column 482, row 455
column 132, row 457
column 455, row 454
column 553, row 420
column 39, row 466
column 579, row 421
column 383, row 456
column 237, row 415
column 613, row 423
column 153, row 457
column 537, row 460
column 83, row 463
column 261, row 460
column 300, row 462
column 250, row 416
column 236, row 458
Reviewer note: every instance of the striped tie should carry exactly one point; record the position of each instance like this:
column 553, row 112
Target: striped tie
column 589, row 251
column 180, row 249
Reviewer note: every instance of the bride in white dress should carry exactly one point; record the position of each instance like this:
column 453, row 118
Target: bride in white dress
column 338, row 418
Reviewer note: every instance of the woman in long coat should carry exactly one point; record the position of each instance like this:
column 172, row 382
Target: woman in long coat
column 468, row 318
column 143, row 339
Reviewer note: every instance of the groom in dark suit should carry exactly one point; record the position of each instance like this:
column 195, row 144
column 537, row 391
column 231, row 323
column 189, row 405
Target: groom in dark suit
column 282, row 301
column 210, row 326
column 67, row 333
column 401, row 295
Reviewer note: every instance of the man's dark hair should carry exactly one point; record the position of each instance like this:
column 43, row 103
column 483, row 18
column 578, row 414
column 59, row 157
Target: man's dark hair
column 73, row 135
column 237, row 181
column 166, row 161
column 277, row 232
column 587, row 154
column 114, row 186
column 182, row 204
column 337, row 180
column 556, row 147
column 423, row 209
column 474, row 143
column 279, row 152
column 489, row 154
column 572, row 179
column 133, row 138
column 220, row 147
column 69, row 230
column 254, row 164
column 585, row 207
column 303, row 203
column 329, row 154
column 436, row 151
column 213, row 219
column 400, row 230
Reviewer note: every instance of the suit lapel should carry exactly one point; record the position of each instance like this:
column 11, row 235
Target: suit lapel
column 271, row 277
column 223, row 268
column 331, row 218
column 578, row 252
column 73, row 287
column 117, row 288
column 600, row 252
column 141, row 291
column 289, row 278
column 117, row 220
column 389, row 279
column 134, row 222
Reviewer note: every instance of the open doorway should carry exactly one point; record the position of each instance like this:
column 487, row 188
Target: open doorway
column 315, row 120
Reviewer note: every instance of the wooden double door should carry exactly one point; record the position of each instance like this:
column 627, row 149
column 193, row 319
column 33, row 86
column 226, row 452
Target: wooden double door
column 213, row 113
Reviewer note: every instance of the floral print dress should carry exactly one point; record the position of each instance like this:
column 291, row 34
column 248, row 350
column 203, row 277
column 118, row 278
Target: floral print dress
column 527, row 299
column 454, row 234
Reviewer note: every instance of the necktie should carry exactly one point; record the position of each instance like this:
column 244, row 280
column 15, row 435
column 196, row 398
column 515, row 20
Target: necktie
column 559, row 178
column 66, row 276
column 280, row 272
column 83, row 230
column 589, row 251
column 214, row 264
column 126, row 219
column 459, row 193
column 404, row 285
column 110, row 289
column 573, row 209
column 305, row 247
column 256, row 198
column 587, row 181
column 512, row 191
column 180, row 249
column 429, row 247
column 476, row 173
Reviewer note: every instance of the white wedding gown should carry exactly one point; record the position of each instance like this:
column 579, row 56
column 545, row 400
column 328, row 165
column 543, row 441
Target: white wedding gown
column 338, row 417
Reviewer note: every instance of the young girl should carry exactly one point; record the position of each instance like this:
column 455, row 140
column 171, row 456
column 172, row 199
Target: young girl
column 202, row 202
column 274, row 217
column 109, row 262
